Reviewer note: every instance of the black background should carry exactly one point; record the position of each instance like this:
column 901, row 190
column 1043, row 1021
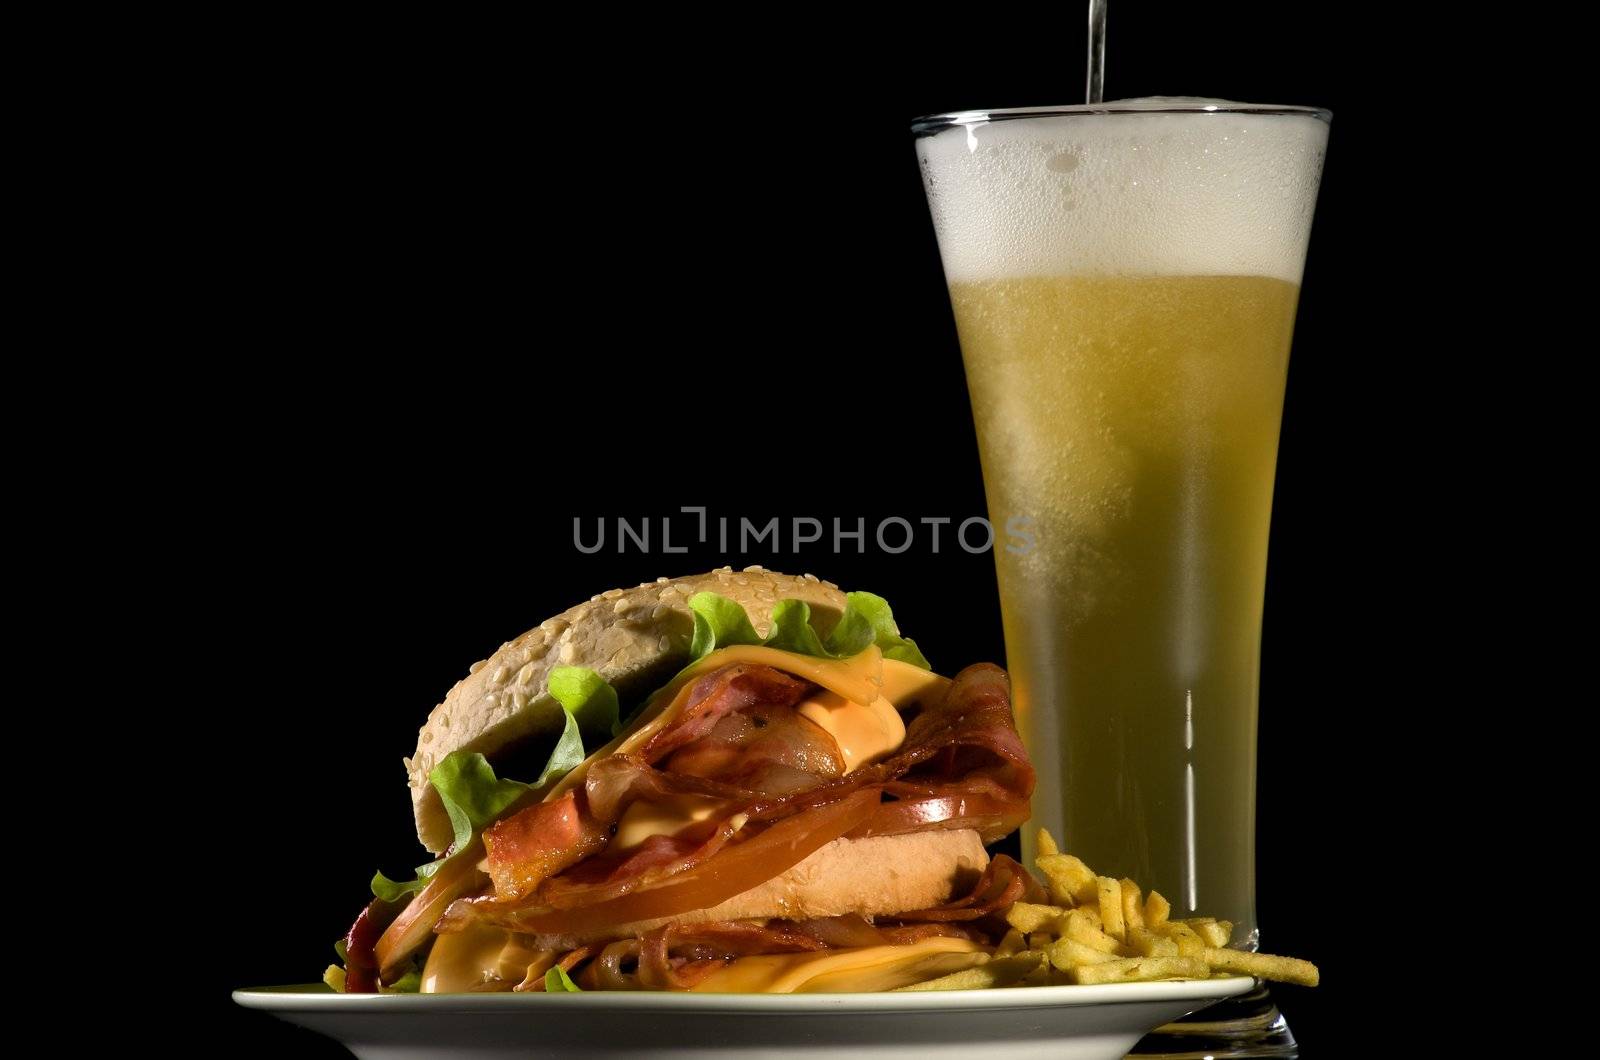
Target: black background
column 464, row 284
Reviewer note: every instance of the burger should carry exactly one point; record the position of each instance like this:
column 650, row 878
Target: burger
column 732, row 782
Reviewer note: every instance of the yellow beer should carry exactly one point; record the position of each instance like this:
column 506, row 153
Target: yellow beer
column 1124, row 284
column 1129, row 426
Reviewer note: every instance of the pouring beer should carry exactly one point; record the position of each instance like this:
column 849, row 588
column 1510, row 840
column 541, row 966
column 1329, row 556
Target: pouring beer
column 1124, row 279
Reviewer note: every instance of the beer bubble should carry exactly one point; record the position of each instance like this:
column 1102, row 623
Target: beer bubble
column 1063, row 162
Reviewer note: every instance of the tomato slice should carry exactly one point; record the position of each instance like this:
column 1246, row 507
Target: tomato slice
column 992, row 818
column 732, row 870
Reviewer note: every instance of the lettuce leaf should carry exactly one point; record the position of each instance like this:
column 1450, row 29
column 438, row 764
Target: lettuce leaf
column 567, row 754
column 867, row 619
column 472, row 795
column 718, row 623
column 585, row 696
column 410, row 983
column 557, row 981
column 394, row 890
column 791, row 629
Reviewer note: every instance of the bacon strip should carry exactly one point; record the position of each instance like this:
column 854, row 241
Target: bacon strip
column 718, row 694
column 852, row 932
column 620, row 779
column 1002, row 883
column 769, row 748
column 612, row 875
column 529, row 847
column 360, row 946
column 678, row 956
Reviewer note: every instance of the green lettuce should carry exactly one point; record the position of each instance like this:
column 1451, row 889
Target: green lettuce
column 557, row 981
column 394, row 890
column 410, row 983
column 718, row 623
column 587, row 698
column 867, row 619
column 791, row 629
column 474, row 797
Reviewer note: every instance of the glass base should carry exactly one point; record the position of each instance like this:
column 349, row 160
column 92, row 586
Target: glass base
column 1246, row 1026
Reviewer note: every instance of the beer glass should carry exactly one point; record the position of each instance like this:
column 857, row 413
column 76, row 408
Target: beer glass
column 1124, row 279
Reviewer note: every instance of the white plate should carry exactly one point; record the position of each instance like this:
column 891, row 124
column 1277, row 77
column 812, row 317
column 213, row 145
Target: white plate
column 1060, row 1022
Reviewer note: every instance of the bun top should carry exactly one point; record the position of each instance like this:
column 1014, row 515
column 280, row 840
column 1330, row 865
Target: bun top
column 635, row 639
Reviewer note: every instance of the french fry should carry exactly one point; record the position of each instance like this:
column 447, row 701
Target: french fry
column 1003, row 971
column 1189, row 943
column 1263, row 966
column 1044, row 975
column 1066, row 954
column 1132, row 908
column 1028, row 917
column 1147, row 943
column 1111, row 922
column 1081, row 928
column 1071, row 881
column 1156, row 910
column 1102, row 930
column 1141, row 969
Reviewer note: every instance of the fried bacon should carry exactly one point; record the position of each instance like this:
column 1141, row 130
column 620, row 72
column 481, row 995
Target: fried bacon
column 718, row 694
column 529, row 847
column 360, row 958
column 1003, row 882
column 767, row 748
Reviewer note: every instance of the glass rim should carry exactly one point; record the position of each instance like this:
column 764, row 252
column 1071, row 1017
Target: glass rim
column 929, row 124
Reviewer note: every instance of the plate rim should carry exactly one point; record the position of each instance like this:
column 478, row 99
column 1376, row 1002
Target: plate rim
column 305, row 997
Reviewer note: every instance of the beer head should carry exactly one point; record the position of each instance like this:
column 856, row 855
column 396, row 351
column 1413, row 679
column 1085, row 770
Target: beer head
column 1155, row 186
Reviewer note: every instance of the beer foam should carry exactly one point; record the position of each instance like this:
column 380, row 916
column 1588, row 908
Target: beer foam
column 1132, row 190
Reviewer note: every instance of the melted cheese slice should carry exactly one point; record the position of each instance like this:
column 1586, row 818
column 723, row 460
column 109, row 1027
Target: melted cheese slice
column 865, row 732
column 870, row 968
column 905, row 685
column 666, row 816
column 479, row 958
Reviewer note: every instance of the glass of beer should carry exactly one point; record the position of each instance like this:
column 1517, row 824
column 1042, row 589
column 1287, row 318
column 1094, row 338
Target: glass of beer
column 1124, row 278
